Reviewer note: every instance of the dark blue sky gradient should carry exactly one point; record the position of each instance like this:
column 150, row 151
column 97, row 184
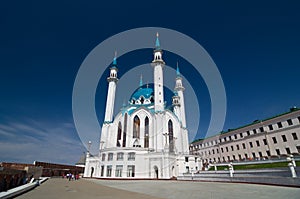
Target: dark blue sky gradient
column 255, row 44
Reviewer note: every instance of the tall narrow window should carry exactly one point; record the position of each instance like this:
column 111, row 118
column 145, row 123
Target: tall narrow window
column 142, row 100
column 274, row 140
column 244, row 145
column 251, row 145
column 119, row 135
column 257, row 143
column 108, row 171
column 171, row 137
column 130, row 170
column 290, row 122
column 124, row 130
column 110, row 156
column 119, row 170
column 146, row 136
column 271, row 127
column 265, row 141
column 102, row 170
column 136, row 127
column 103, row 156
column 295, row 137
column 284, row 138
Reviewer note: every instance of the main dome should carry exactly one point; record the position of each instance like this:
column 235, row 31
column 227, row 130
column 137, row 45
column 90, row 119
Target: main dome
column 142, row 95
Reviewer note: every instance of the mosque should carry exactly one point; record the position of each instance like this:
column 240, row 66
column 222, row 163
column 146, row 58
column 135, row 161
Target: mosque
column 145, row 140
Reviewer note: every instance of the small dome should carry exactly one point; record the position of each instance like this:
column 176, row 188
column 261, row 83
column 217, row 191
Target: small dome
column 142, row 96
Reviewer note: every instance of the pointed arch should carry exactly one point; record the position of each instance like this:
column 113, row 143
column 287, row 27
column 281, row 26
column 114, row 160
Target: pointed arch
column 119, row 134
column 136, row 127
column 146, row 134
column 136, row 143
column 124, row 130
column 171, row 136
column 142, row 100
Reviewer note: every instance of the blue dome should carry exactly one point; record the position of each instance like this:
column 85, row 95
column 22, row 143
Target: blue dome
column 145, row 92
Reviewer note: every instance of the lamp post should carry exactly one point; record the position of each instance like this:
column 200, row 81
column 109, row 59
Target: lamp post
column 231, row 171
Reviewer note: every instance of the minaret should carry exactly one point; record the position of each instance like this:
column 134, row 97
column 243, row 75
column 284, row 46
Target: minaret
column 158, row 65
column 112, row 84
column 179, row 88
column 176, row 105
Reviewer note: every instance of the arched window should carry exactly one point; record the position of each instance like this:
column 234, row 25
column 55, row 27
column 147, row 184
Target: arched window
column 119, row 134
column 152, row 99
column 142, row 100
column 171, row 136
column 136, row 127
column 136, row 143
column 125, row 129
column 146, row 136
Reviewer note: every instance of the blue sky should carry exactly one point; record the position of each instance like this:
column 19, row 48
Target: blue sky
column 256, row 46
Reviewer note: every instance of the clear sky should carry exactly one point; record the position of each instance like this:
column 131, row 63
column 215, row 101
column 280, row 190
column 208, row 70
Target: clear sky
column 255, row 45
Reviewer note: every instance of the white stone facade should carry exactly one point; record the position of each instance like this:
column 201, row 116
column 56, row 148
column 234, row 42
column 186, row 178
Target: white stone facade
column 269, row 138
column 145, row 139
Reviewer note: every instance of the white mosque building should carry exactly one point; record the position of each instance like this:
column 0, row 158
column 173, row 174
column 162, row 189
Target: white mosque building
column 145, row 139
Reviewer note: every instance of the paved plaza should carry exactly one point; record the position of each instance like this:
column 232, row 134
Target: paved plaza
column 92, row 188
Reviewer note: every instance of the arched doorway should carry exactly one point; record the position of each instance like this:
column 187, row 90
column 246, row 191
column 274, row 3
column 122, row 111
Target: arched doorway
column 173, row 172
column 92, row 171
column 155, row 172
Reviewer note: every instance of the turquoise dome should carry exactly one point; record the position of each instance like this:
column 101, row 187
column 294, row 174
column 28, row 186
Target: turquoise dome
column 145, row 92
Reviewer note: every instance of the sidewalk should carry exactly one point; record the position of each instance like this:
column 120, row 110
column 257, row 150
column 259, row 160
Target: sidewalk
column 144, row 189
column 62, row 188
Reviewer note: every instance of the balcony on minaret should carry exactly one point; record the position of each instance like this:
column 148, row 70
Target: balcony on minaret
column 176, row 99
column 113, row 75
column 158, row 53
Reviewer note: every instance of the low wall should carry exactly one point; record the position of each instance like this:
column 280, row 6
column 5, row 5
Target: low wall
column 21, row 189
column 261, row 176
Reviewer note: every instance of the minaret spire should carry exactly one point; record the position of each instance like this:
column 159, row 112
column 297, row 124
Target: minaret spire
column 157, row 44
column 115, row 59
column 141, row 80
column 177, row 70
